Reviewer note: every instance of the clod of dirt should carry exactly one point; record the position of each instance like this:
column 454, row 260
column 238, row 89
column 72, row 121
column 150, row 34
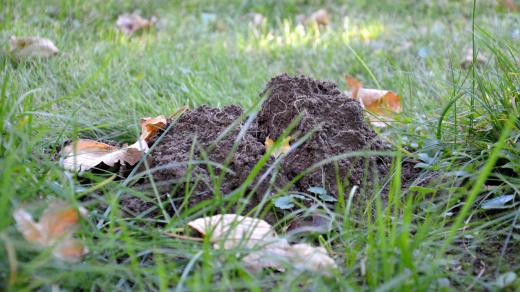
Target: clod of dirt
column 339, row 126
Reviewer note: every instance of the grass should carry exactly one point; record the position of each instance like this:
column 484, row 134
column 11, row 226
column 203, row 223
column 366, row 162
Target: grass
column 462, row 124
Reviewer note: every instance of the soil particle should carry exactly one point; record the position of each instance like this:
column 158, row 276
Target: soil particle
column 339, row 126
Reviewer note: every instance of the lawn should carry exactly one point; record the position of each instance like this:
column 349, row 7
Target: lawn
column 453, row 227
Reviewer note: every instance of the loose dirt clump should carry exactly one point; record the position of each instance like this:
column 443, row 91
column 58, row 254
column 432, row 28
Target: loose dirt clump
column 339, row 126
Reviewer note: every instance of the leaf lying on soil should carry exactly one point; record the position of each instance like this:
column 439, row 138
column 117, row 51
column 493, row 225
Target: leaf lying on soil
column 130, row 23
column 282, row 149
column 86, row 154
column 383, row 103
column 55, row 229
column 268, row 251
column 27, row 47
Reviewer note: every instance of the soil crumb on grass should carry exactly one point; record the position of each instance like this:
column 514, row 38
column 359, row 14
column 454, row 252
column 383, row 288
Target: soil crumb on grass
column 220, row 137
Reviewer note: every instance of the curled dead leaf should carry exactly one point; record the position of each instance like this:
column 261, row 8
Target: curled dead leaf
column 467, row 61
column 130, row 23
column 320, row 17
column 282, row 149
column 256, row 19
column 383, row 104
column 267, row 250
column 28, row 47
column 231, row 230
column 150, row 127
column 85, row 154
column 55, row 229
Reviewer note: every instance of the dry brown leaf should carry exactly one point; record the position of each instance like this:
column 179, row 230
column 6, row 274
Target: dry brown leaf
column 85, row 154
column 130, row 23
column 321, row 17
column 27, row 47
column 283, row 149
column 70, row 250
column 382, row 103
column 55, row 228
column 150, row 127
column 229, row 231
column 467, row 61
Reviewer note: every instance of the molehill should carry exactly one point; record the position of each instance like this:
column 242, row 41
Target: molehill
column 206, row 142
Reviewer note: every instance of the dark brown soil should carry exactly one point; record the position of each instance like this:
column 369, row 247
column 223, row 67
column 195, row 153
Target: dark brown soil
column 210, row 134
column 339, row 124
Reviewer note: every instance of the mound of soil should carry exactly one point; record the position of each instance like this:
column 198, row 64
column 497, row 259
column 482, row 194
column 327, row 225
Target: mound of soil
column 339, row 126
column 219, row 135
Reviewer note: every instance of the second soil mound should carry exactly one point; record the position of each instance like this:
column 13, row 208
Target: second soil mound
column 339, row 126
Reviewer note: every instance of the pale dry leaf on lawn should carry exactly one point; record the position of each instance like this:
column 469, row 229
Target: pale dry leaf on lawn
column 321, row 17
column 467, row 60
column 231, row 230
column 28, row 47
column 70, row 250
column 282, row 149
column 130, row 23
column 85, row 154
column 256, row 19
column 268, row 251
column 55, row 229
column 383, row 104
column 279, row 254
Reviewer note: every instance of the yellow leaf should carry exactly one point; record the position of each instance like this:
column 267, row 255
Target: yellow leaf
column 282, row 149
column 27, row 47
column 130, row 23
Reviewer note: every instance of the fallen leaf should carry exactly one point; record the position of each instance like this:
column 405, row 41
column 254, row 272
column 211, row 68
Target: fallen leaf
column 85, row 154
column 70, row 250
column 55, row 229
column 150, row 127
column 256, row 19
column 130, row 23
column 382, row 103
column 320, row 17
column 467, row 61
column 27, row 47
column 268, row 251
column 232, row 230
column 282, row 149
